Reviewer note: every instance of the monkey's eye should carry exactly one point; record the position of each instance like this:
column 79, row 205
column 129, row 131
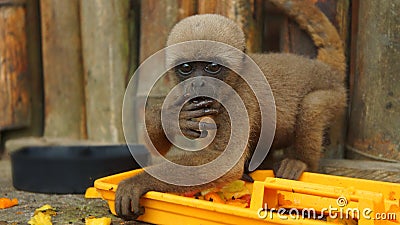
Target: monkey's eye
column 213, row 68
column 185, row 69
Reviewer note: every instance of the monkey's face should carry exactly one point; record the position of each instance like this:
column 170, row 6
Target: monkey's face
column 200, row 45
column 200, row 85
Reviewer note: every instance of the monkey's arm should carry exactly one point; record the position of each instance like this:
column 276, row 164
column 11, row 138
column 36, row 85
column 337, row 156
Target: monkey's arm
column 154, row 126
column 130, row 190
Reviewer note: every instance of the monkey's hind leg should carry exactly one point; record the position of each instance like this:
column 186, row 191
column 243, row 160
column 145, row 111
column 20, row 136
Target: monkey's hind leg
column 316, row 111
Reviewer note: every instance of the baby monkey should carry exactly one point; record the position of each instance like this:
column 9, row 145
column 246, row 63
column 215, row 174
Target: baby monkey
column 308, row 93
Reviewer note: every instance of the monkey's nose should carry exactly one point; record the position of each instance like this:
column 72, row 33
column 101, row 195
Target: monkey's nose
column 198, row 83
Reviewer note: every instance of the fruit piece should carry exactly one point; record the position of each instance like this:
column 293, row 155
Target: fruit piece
column 191, row 193
column 247, row 198
column 98, row 221
column 204, row 192
column 200, row 197
column 235, row 195
column 235, row 190
column 235, row 186
column 7, row 203
column 213, row 197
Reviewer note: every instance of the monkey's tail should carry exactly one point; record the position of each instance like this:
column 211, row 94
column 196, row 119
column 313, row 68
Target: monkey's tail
column 318, row 26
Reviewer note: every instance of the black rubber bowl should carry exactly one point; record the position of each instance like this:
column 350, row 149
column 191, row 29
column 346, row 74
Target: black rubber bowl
column 69, row 169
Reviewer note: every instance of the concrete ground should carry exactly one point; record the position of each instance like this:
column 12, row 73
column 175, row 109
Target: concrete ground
column 71, row 208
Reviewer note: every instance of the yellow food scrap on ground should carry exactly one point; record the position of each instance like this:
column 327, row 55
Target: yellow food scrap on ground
column 92, row 193
column 7, row 203
column 40, row 219
column 42, row 215
column 46, row 209
column 98, row 221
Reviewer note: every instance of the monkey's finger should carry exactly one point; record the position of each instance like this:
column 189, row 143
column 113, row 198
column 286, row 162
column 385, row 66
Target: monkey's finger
column 280, row 168
column 290, row 174
column 207, row 126
column 118, row 206
column 126, row 210
column 275, row 168
column 193, row 125
column 198, row 113
column 298, row 167
column 203, row 134
column 191, row 133
column 198, row 105
column 182, row 99
column 295, row 174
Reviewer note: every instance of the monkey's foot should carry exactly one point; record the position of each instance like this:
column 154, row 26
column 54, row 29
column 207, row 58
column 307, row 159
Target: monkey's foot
column 289, row 169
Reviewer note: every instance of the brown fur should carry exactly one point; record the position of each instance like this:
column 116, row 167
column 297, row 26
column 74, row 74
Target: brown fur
column 308, row 95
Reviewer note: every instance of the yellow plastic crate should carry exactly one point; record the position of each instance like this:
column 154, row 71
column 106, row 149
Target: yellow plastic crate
column 316, row 191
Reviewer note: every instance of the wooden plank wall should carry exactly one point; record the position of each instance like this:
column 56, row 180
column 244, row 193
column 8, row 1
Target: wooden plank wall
column 105, row 43
column 374, row 131
column 14, row 82
column 15, row 104
column 247, row 13
column 21, row 87
column 67, row 101
column 84, row 92
column 159, row 16
column 62, row 69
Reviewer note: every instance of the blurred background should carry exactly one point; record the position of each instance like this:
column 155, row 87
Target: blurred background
column 64, row 66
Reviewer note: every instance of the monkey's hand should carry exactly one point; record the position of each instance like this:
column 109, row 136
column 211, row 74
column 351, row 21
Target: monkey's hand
column 190, row 117
column 290, row 169
column 127, row 197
